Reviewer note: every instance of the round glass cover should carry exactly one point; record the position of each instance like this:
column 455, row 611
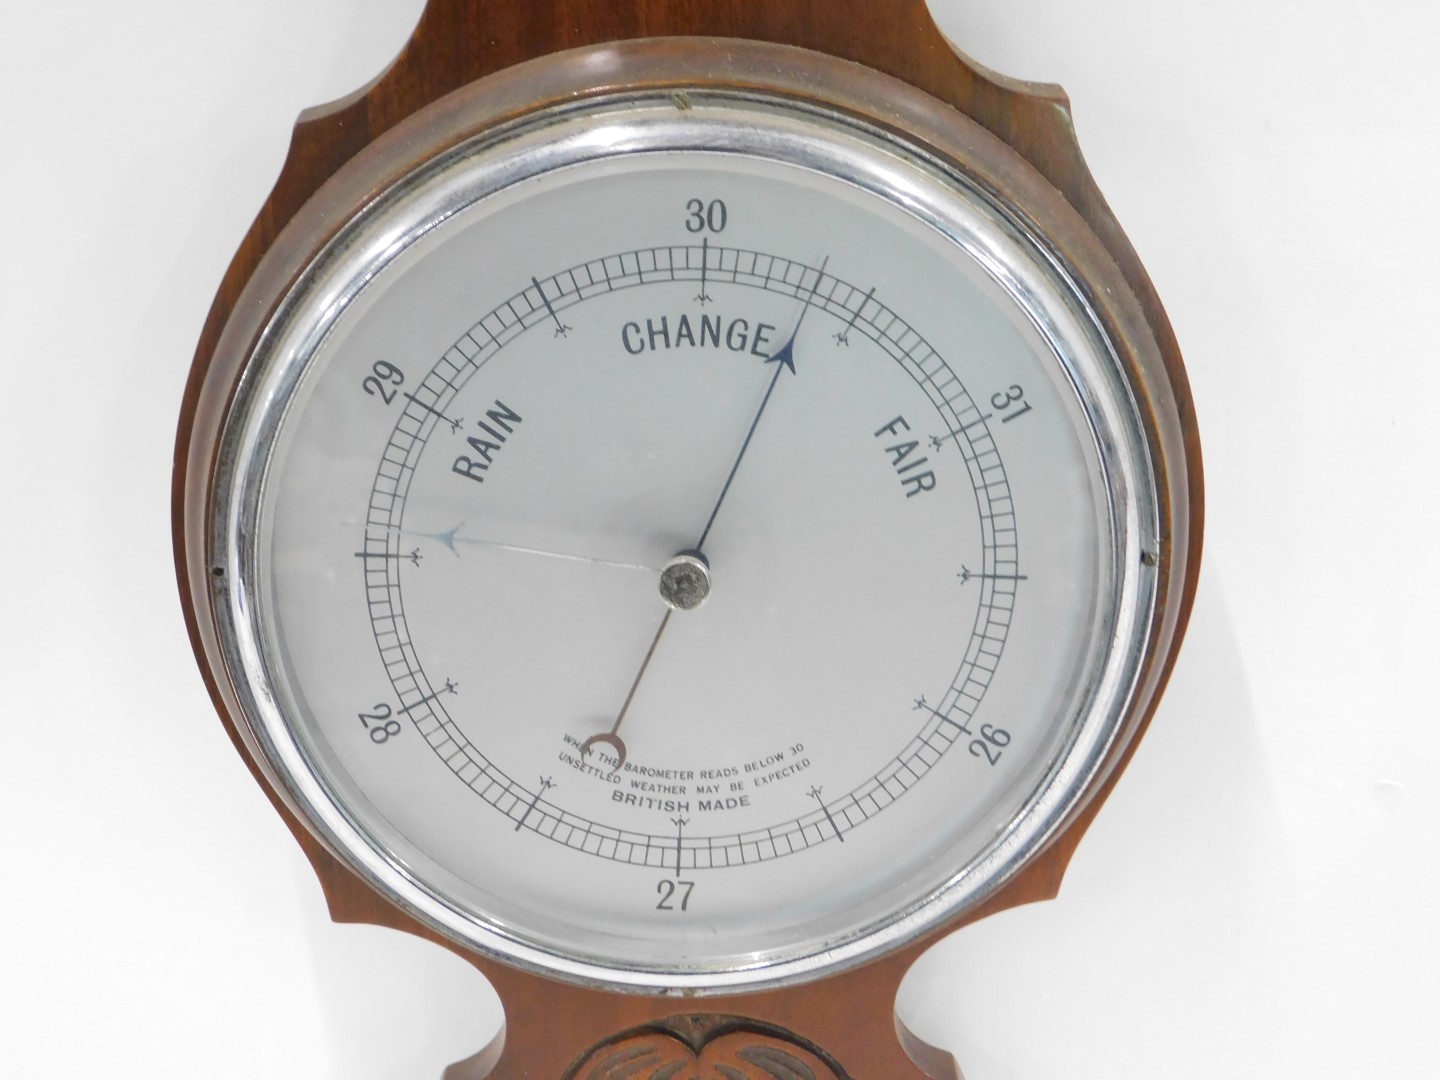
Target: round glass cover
column 685, row 548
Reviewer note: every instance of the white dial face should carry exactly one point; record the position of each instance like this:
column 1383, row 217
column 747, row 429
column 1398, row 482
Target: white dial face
column 823, row 427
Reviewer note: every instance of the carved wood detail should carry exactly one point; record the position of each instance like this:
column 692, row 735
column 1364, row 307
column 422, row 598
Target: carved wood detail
column 749, row 1036
column 705, row 1047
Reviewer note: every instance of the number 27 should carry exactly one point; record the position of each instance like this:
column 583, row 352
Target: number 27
column 668, row 889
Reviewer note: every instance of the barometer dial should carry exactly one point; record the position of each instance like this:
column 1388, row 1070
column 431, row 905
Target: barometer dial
column 684, row 539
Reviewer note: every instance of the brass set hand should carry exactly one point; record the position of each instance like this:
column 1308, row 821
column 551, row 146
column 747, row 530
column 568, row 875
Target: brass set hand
column 685, row 579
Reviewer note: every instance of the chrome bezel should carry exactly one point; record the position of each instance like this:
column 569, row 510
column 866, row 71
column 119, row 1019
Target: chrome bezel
column 327, row 269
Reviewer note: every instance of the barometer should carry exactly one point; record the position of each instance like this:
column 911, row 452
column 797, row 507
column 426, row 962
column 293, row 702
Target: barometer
column 684, row 520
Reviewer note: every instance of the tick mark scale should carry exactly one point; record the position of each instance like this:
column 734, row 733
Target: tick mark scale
column 790, row 571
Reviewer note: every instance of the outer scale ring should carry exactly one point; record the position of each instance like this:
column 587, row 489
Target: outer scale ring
column 527, row 806
column 1131, row 442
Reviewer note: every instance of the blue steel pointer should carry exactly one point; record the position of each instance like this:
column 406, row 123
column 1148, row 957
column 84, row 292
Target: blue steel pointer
column 782, row 358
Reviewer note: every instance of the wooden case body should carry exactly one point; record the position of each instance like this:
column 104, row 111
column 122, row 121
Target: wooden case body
column 843, row 1025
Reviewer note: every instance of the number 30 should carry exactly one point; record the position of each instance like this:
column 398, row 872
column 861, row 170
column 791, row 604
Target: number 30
column 705, row 218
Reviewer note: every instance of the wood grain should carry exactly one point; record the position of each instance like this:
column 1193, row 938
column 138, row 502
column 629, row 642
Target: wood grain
column 844, row 1022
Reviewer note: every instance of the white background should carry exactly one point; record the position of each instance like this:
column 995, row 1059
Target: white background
column 1258, row 898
